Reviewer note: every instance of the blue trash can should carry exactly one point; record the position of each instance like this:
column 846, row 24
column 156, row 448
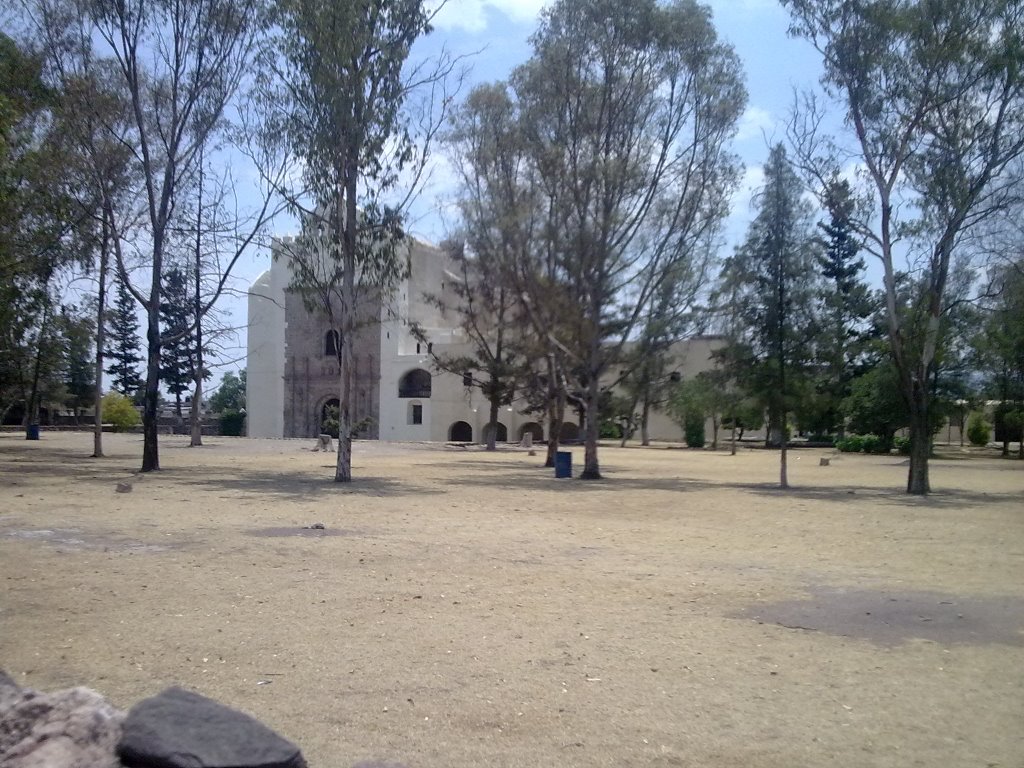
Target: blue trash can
column 563, row 464
column 32, row 432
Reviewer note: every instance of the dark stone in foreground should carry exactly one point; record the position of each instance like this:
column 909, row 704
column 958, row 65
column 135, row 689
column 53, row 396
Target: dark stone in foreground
column 181, row 729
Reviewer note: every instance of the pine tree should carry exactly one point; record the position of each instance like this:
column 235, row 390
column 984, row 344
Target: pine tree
column 772, row 279
column 846, row 304
column 176, row 319
column 124, row 343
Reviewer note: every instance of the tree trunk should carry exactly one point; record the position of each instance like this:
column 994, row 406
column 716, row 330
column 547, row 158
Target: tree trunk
column 732, row 451
column 196, row 416
column 920, row 447
column 630, row 427
column 714, row 432
column 150, row 402
column 101, row 336
column 591, row 467
column 645, row 423
column 492, row 425
column 783, row 443
column 347, row 213
column 32, row 410
column 556, row 413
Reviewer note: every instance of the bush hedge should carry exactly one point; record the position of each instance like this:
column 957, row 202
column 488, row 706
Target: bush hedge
column 232, row 423
column 978, row 431
column 119, row 412
column 864, row 444
column 694, row 431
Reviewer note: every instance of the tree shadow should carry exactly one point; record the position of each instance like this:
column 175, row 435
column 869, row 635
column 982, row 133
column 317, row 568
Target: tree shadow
column 51, row 461
column 63, row 463
column 291, row 486
column 514, row 476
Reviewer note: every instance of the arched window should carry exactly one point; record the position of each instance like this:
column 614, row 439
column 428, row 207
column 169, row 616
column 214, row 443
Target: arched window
column 332, row 343
column 416, row 383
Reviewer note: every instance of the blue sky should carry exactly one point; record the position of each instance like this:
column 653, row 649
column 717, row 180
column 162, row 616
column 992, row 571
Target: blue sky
column 499, row 30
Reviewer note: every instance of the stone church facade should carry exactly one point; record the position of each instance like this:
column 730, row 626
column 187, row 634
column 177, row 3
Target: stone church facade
column 292, row 368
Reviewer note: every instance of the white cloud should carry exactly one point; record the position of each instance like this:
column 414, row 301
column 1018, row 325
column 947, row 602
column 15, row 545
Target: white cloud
column 750, row 184
column 755, row 123
column 472, row 15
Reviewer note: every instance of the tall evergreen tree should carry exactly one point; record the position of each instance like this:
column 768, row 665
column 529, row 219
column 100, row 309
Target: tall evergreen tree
column 176, row 319
column 845, row 306
column 772, row 277
column 124, row 340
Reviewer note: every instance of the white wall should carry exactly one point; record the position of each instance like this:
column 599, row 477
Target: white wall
column 264, row 391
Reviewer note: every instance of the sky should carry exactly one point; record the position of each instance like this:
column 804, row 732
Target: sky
column 496, row 33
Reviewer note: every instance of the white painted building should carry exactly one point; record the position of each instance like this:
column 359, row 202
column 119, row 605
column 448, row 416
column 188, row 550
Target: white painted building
column 292, row 374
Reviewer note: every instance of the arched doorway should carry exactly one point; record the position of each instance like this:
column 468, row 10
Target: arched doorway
column 533, row 428
column 501, row 435
column 570, row 432
column 460, row 432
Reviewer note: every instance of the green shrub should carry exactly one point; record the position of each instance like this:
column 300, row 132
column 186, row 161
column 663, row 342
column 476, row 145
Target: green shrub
column 876, row 444
column 902, row 445
column 232, row 423
column 119, row 412
column 978, row 431
column 850, row 444
column 694, row 431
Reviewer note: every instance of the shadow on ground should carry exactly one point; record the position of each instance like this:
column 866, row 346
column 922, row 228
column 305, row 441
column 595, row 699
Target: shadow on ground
column 514, row 476
column 293, row 485
column 890, row 618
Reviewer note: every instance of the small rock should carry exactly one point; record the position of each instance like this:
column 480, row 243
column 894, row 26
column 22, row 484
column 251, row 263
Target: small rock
column 824, row 461
column 124, row 487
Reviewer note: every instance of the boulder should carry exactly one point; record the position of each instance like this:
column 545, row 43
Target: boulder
column 76, row 728
column 181, row 729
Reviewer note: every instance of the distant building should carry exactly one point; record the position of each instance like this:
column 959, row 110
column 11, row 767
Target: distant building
column 292, row 369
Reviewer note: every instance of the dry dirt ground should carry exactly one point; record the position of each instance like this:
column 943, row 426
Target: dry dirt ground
column 467, row 609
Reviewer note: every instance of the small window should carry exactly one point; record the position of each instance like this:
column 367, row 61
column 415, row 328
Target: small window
column 467, row 379
column 332, row 343
column 430, row 348
column 675, row 377
column 415, row 413
column 417, row 348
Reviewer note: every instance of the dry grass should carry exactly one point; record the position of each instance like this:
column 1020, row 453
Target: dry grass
column 467, row 609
